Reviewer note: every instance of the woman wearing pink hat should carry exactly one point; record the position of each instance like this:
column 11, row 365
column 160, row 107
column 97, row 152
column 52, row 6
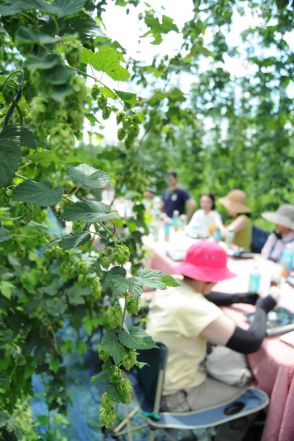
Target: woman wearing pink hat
column 185, row 319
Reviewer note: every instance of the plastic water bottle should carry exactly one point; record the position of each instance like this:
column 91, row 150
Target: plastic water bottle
column 176, row 220
column 217, row 235
column 287, row 259
column 166, row 230
column 254, row 280
column 230, row 235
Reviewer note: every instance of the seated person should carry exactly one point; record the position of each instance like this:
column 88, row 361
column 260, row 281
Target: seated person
column 205, row 217
column 236, row 205
column 185, row 321
column 283, row 219
column 176, row 198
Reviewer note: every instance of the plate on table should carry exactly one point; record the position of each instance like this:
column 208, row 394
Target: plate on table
column 240, row 253
column 279, row 321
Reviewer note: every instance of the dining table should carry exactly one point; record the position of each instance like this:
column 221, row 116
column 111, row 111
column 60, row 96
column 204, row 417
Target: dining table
column 273, row 364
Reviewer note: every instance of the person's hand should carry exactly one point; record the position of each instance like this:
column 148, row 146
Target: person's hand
column 269, row 302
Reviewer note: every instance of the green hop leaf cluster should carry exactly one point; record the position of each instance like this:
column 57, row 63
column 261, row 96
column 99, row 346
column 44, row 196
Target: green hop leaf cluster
column 114, row 316
column 9, row 90
column 132, row 305
column 55, row 252
column 96, row 287
column 129, row 359
column 25, row 211
column 72, row 49
column 102, row 354
column 62, row 121
column 129, row 130
column 107, row 411
column 5, row 194
column 120, row 254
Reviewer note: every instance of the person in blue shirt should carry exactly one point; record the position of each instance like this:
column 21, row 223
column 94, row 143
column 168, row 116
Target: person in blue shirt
column 176, row 198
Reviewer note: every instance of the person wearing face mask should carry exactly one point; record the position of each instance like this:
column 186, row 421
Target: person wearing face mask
column 283, row 219
column 205, row 217
column 185, row 318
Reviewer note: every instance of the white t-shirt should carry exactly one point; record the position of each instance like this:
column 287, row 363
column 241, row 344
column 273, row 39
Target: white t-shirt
column 176, row 318
column 201, row 220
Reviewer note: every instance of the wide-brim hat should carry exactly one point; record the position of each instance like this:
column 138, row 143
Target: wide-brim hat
column 283, row 216
column 205, row 261
column 236, row 200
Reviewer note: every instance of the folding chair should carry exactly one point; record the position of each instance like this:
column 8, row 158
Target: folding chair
column 148, row 386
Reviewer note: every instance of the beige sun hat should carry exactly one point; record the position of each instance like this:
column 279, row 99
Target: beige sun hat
column 236, row 200
column 283, row 216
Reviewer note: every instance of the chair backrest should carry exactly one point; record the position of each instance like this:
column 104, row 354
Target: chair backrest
column 150, row 377
column 259, row 238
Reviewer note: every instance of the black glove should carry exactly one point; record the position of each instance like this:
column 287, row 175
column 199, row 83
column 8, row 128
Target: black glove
column 266, row 303
column 223, row 299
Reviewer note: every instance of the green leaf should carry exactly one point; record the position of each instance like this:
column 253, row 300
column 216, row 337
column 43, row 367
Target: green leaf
column 136, row 338
column 4, row 234
column 157, row 28
column 83, row 25
column 10, row 158
column 106, row 60
column 60, row 92
column 20, row 135
column 11, row 7
column 169, row 281
column 130, row 99
column 37, row 193
column 58, row 75
column 72, row 240
column 152, row 278
column 55, row 306
column 30, row 36
column 117, row 282
column 89, row 211
column 62, row 8
column 45, row 62
column 11, row 138
column 112, row 347
column 87, row 176
column 76, row 294
column 6, row 288
column 135, row 286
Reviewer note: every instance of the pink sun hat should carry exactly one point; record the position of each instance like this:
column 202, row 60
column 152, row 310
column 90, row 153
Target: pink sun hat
column 205, row 261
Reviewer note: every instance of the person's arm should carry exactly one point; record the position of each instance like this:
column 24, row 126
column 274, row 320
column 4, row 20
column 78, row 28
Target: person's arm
column 190, row 207
column 223, row 330
column 238, row 224
column 225, row 299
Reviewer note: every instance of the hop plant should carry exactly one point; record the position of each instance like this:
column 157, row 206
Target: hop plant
column 73, row 50
column 107, row 411
column 120, row 254
column 9, row 90
column 104, row 261
column 102, row 354
column 129, row 359
column 132, row 305
column 4, row 196
column 39, row 107
column 124, row 391
column 96, row 287
column 114, row 316
column 54, row 251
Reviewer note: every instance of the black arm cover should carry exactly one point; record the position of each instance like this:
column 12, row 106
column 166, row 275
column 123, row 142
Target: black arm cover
column 223, row 299
column 249, row 341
